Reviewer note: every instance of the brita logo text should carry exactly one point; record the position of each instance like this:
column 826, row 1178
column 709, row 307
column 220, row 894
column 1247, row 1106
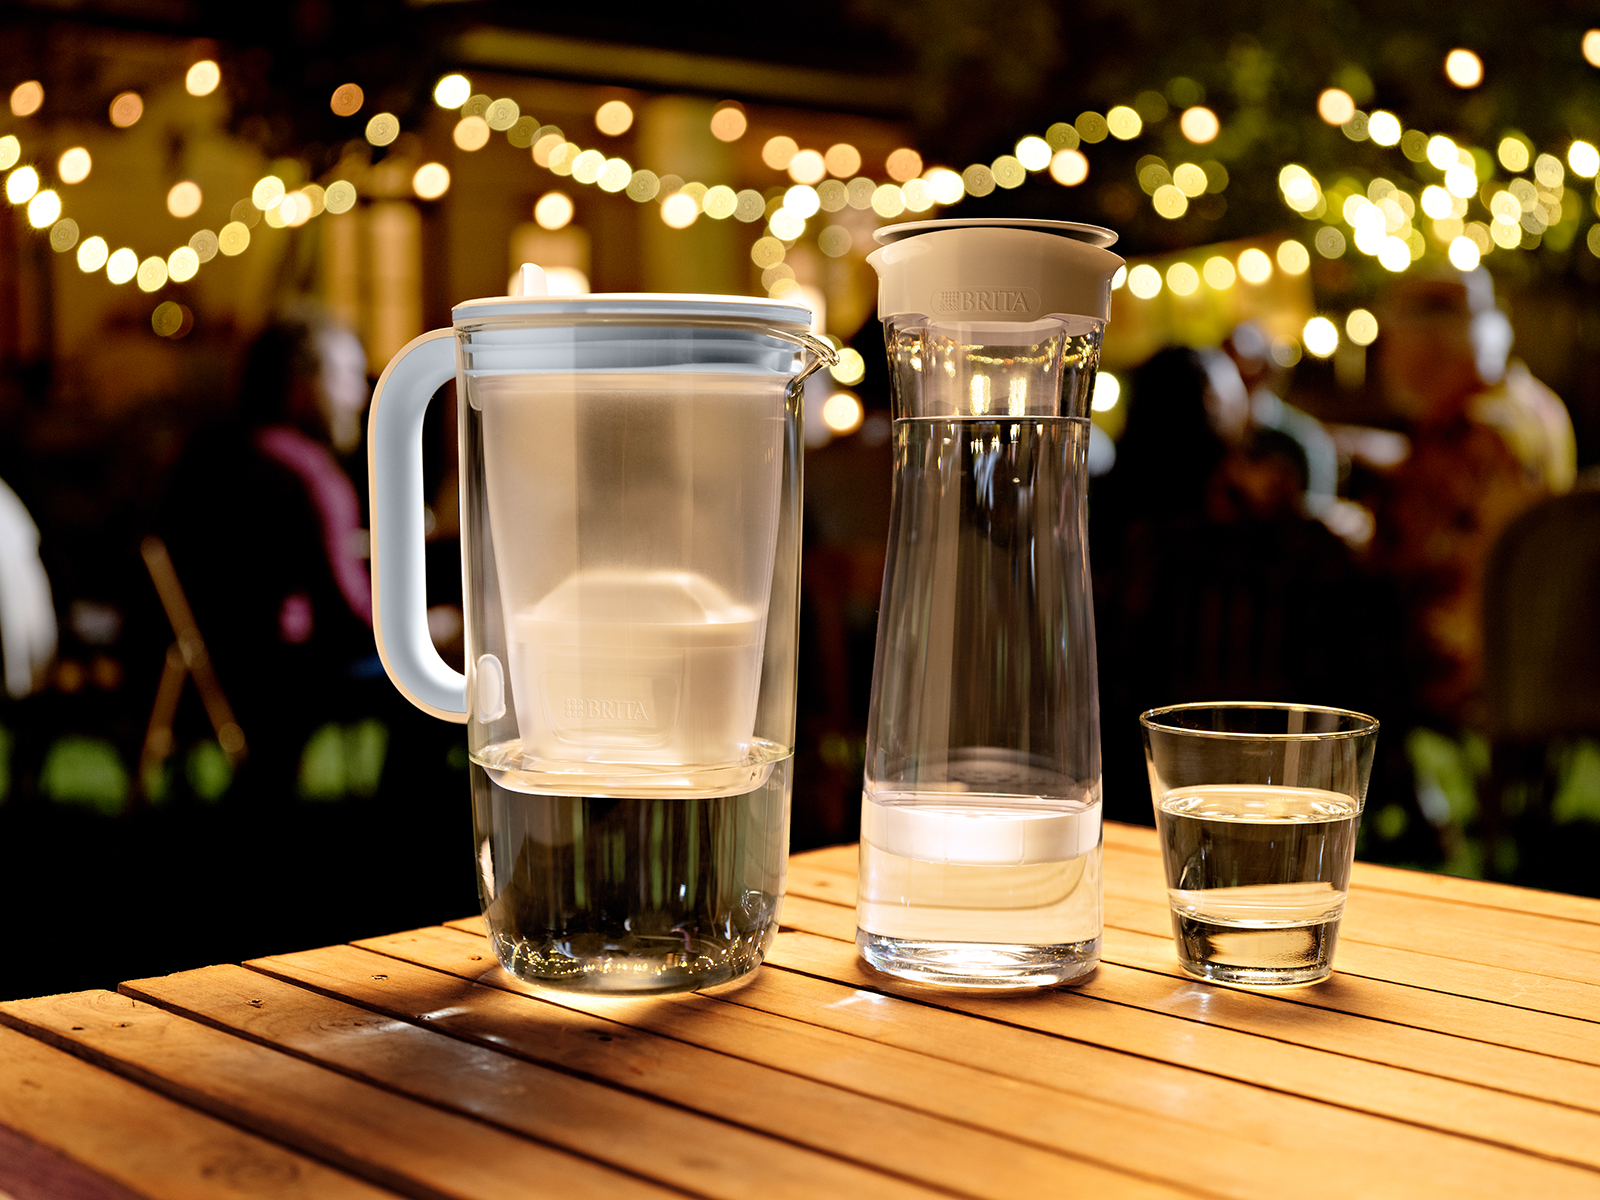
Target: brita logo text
column 576, row 708
column 986, row 300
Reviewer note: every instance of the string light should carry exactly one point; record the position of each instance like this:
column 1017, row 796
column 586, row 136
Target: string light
column 74, row 165
column 126, row 109
column 431, row 181
column 21, row 184
column 27, row 98
column 1320, row 336
column 1463, row 68
column 1335, row 106
column 202, row 78
column 1199, row 124
column 452, row 91
column 43, row 209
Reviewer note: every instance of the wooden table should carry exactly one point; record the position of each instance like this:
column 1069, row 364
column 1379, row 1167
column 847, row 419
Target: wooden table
column 1456, row 1052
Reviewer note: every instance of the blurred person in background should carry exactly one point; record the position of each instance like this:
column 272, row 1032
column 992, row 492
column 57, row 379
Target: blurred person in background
column 27, row 615
column 265, row 530
column 1488, row 441
column 1212, row 581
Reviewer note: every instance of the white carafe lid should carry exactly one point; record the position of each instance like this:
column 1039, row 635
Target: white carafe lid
column 994, row 269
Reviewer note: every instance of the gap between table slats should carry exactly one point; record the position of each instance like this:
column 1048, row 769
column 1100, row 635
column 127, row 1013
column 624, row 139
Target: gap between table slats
column 1401, row 1158
column 110, row 1137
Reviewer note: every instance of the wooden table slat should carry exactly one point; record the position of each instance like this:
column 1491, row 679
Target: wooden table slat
column 1455, row 1051
column 655, row 1045
column 1398, row 1156
column 396, row 1142
column 621, row 1128
column 139, row 1142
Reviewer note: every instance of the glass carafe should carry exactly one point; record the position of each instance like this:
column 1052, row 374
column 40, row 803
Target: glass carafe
column 980, row 815
column 630, row 481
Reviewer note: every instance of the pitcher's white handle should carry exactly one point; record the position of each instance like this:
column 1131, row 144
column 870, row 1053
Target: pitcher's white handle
column 399, row 592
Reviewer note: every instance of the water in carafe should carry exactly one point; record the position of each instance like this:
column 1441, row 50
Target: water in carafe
column 980, row 838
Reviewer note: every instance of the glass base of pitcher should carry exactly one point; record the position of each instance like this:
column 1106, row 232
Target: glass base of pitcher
column 635, row 967
column 989, row 966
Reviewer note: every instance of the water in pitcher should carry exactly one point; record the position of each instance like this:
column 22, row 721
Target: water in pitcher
column 1262, row 897
column 631, row 894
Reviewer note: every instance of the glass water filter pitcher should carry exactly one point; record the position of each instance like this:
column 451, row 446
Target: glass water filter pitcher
column 980, row 813
column 630, row 498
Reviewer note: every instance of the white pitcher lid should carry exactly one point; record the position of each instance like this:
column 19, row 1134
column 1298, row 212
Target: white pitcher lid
column 994, row 269
column 635, row 304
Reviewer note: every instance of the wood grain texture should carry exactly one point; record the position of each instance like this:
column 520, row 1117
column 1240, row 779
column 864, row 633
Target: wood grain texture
column 1258, row 1137
column 653, row 1046
column 1489, row 1005
column 411, row 1147
column 142, row 1141
column 674, row 1147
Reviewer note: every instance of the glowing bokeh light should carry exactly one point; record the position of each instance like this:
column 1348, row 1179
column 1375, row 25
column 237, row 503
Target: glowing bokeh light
column 807, row 166
column 1218, row 273
column 74, row 165
column 233, row 238
column 786, row 225
column 383, row 129
column 1384, row 128
column 44, row 209
column 1335, row 106
column 1361, row 327
column 1293, row 257
column 1182, row 279
column 1033, row 153
column 842, row 160
column 1321, row 337
column 728, row 123
column 1144, row 281
column 1124, row 123
column 184, row 199
column 202, row 78
column 1120, row 277
column 92, row 254
column 1394, row 254
column 26, row 98
column 183, row 264
column 340, row 197
column 452, row 91
column 778, row 151
column 1170, row 202
column 851, row 368
column 122, row 266
column 1437, row 202
column 903, row 164
column 1547, row 169
column 431, row 181
column 720, row 203
column 1442, row 152
column 1463, row 68
column 842, row 413
column 617, row 173
column 1512, row 153
column 1008, row 172
column 1199, row 124
column 1591, row 47
column 347, row 100
column 126, row 110
column 1461, row 181
column 1190, row 180
column 471, row 133
column 802, row 200
column 1107, row 391
column 553, row 210
column 945, row 185
column 1584, row 159
column 1464, row 254
column 613, row 118
column 1255, row 266
column 10, row 151
column 1069, row 168
column 63, row 235
column 21, row 184
column 152, row 274
column 680, row 211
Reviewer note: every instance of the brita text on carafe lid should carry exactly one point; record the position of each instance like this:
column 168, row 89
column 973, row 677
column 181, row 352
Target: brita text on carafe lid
column 994, row 269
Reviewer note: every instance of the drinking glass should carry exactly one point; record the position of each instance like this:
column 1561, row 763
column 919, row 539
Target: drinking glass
column 1257, row 808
